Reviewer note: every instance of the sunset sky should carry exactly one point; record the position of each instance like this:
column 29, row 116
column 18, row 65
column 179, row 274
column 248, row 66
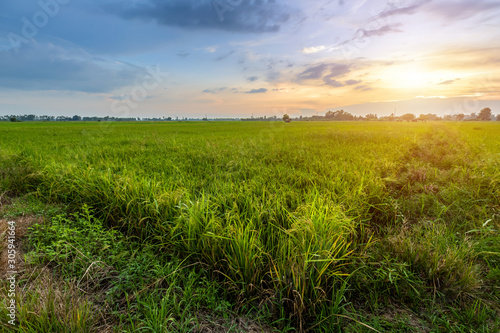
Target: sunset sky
column 235, row 58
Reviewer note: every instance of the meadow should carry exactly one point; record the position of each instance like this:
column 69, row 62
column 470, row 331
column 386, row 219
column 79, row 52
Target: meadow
column 305, row 226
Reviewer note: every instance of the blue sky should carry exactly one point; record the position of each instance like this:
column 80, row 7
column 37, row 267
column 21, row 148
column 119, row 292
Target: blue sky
column 233, row 58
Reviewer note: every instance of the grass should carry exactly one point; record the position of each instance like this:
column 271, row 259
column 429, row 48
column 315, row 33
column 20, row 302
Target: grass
column 304, row 226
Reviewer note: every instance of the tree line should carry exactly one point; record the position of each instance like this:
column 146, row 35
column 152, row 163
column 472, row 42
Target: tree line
column 339, row 115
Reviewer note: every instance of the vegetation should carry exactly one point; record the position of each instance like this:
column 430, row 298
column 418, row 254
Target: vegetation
column 339, row 115
column 308, row 226
column 485, row 114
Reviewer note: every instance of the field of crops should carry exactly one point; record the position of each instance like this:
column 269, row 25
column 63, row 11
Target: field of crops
column 312, row 226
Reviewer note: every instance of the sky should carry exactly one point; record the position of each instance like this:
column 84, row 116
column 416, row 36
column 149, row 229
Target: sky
column 238, row 58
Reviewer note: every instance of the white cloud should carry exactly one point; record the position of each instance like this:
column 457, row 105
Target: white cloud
column 320, row 48
column 313, row 49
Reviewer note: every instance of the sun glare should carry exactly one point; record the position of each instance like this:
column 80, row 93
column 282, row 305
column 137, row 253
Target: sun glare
column 409, row 77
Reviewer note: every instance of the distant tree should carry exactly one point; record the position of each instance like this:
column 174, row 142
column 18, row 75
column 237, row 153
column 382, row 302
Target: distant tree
column 460, row 117
column 484, row 115
column 408, row 117
column 433, row 117
column 371, row 116
column 13, row 120
column 423, row 118
column 339, row 115
column 498, row 117
column 286, row 118
column 470, row 117
column 76, row 118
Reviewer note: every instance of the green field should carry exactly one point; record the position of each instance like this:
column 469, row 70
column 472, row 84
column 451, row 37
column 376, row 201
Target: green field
column 307, row 226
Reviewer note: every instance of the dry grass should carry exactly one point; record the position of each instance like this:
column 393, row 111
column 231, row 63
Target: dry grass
column 234, row 324
column 41, row 296
column 22, row 225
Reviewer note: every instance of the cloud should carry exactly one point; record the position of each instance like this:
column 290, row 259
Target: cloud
column 211, row 49
column 49, row 67
column 448, row 82
column 327, row 72
column 183, row 54
column 125, row 97
column 314, row 72
column 256, row 91
column 214, row 91
column 331, row 82
column 352, row 82
column 363, row 87
column 246, row 17
column 394, row 10
column 313, row 49
column 361, row 34
column 225, row 55
column 384, row 30
column 457, row 9
column 252, row 78
column 339, row 70
column 320, row 48
column 462, row 9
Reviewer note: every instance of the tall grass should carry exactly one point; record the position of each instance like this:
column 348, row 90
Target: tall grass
column 280, row 212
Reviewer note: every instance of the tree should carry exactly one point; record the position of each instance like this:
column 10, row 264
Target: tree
column 460, row 117
column 371, row 116
column 422, row 118
column 76, row 118
column 485, row 114
column 339, row 115
column 286, row 118
column 408, row 117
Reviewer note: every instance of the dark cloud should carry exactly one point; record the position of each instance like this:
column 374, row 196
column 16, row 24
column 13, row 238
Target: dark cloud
column 248, row 17
column 339, row 70
column 363, row 87
column 252, row 78
column 314, row 72
column 352, row 82
column 326, row 72
column 384, row 30
column 48, row 67
column 183, row 54
column 214, row 91
column 256, row 91
column 331, row 82
column 225, row 55
column 362, row 34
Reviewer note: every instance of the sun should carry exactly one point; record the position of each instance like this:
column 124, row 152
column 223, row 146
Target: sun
column 409, row 76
